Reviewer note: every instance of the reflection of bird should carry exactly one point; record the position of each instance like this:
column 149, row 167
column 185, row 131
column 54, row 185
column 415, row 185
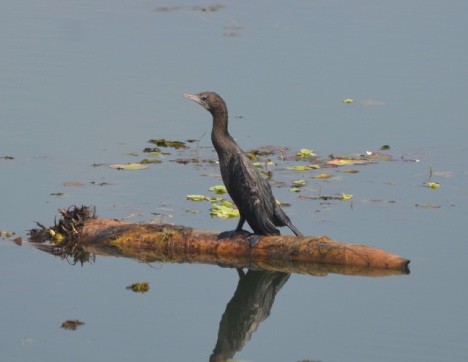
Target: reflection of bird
column 250, row 305
column 248, row 189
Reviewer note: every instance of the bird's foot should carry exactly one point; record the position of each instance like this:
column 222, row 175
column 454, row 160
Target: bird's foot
column 232, row 233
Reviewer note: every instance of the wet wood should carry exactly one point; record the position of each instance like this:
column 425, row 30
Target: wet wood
column 171, row 243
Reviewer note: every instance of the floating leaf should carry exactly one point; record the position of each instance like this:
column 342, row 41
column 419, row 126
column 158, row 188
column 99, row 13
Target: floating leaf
column 162, row 142
column 218, row 189
column 347, row 100
column 346, row 196
column 323, row 176
column 306, row 153
column 146, row 161
column 196, row 197
column 299, row 183
column 294, row 189
column 303, row 167
column 223, row 211
column 129, row 166
column 72, row 324
column 7, row 234
column 342, row 162
column 139, row 287
column 433, row 185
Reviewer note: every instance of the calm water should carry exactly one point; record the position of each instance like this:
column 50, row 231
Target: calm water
column 85, row 82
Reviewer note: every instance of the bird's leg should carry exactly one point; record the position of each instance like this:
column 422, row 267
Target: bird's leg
column 240, row 224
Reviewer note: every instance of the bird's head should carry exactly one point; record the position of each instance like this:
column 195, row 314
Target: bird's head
column 211, row 101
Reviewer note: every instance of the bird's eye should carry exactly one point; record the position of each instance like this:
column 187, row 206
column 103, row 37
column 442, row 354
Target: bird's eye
column 203, row 98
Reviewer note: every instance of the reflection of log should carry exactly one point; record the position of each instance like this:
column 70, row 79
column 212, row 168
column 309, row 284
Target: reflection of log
column 169, row 243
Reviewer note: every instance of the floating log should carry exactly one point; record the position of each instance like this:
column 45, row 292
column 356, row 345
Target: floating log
column 179, row 244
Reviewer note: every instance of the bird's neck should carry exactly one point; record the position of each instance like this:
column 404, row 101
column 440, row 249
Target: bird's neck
column 220, row 136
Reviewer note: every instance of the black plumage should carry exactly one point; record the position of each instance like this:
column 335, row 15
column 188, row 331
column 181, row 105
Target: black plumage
column 248, row 189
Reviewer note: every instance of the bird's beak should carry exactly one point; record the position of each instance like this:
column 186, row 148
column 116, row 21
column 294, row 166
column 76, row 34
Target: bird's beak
column 196, row 99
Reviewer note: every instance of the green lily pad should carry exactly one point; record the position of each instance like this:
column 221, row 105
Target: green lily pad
column 306, row 153
column 299, row 183
column 196, row 197
column 303, row 167
column 223, row 211
column 433, row 185
column 218, row 189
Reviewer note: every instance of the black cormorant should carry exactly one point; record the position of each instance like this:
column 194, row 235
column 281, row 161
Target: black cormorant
column 248, row 189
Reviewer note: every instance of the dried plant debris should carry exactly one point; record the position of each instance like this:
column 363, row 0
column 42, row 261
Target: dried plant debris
column 323, row 176
column 73, row 184
column 341, row 197
column 152, row 150
column 147, row 161
column 162, row 142
column 100, row 183
column 63, row 239
column 264, row 151
column 142, row 287
column 358, row 159
column 72, row 325
column 59, row 194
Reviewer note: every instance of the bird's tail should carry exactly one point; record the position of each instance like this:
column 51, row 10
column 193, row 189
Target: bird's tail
column 294, row 229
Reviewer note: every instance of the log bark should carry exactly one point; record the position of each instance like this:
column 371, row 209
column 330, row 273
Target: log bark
column 178, row 244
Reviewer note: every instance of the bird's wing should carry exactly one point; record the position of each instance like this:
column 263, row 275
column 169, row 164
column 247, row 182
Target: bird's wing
column 252, row 194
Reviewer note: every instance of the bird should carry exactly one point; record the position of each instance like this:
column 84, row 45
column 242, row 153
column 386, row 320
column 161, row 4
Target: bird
column 250, row 191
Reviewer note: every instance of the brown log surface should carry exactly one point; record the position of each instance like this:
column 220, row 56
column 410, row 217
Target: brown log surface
column 171, row 243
